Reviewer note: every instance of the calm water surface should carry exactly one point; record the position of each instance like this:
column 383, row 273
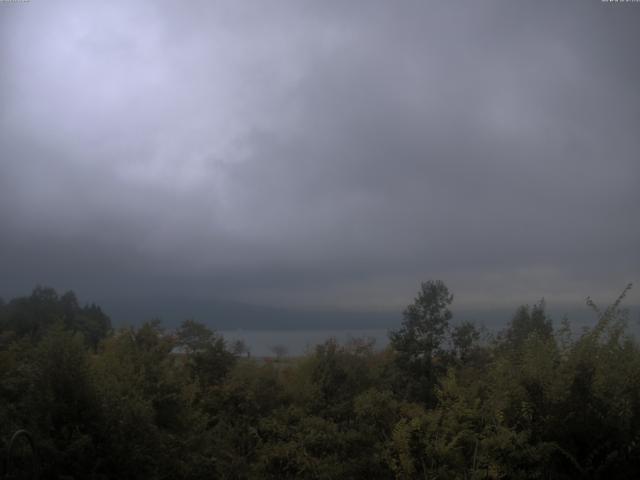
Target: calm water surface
column 298, row 342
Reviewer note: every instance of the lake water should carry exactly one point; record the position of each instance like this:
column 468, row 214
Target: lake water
column 298, row 342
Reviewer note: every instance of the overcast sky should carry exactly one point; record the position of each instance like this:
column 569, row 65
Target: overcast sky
column 325, row 154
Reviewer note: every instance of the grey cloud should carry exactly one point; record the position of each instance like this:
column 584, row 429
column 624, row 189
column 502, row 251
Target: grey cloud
column 326, row 153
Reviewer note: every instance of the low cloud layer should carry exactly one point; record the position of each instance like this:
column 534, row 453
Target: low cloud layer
column 320, row 154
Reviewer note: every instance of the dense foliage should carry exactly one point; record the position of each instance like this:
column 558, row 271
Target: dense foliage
column 442, row 401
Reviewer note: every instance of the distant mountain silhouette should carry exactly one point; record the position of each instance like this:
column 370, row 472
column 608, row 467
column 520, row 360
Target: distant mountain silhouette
column 225, row 315
column 222, row 315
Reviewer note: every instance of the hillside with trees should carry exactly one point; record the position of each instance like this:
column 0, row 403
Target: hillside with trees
column 443, row 401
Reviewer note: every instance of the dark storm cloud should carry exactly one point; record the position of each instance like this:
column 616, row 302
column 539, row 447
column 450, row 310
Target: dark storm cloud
column 320, row 154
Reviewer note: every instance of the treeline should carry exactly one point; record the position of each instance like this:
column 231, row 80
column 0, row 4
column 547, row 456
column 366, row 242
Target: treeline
column 443, row 401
